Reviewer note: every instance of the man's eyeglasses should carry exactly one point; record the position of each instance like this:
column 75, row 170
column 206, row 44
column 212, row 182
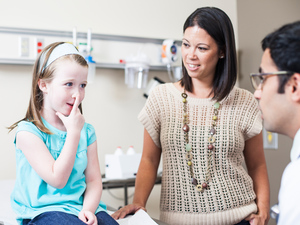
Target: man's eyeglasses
column 257, row 79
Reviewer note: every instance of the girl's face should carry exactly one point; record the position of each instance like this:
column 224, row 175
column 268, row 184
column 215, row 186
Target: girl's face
column 69, row 81
column 200, row 53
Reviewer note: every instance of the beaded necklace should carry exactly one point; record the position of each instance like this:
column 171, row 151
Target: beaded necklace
column 188, row 147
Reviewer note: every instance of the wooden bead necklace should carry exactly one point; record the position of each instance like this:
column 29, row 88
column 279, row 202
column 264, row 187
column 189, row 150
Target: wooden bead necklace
column 188, row 147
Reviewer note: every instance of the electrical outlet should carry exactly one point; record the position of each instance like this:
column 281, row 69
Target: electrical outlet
column 38, row 46
column 270, row 139
column 24, row 46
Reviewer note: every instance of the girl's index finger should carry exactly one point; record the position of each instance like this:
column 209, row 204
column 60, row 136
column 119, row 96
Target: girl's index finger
column 76, row 104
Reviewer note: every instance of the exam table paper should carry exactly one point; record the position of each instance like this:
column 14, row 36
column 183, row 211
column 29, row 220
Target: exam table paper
column 140, row 217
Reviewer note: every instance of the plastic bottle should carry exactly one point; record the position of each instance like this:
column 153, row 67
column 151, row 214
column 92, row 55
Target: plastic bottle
column 130, row 150
column 119, row 151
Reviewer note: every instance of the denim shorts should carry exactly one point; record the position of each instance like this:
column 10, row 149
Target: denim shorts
column 61, row 218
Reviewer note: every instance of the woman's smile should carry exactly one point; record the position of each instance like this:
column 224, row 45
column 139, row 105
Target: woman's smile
column 193, row 66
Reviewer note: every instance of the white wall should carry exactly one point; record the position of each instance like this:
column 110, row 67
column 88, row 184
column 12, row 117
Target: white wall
column 155, row 18
column 109, row 105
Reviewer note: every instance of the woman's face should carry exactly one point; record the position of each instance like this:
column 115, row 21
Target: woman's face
column 200, row 53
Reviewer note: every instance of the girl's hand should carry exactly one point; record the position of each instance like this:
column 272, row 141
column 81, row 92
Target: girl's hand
column 88, row 217
column 75, row 120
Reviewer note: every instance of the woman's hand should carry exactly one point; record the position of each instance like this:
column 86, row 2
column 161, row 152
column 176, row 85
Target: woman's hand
column 88, row 217
column 128, row 209
column 258, row 219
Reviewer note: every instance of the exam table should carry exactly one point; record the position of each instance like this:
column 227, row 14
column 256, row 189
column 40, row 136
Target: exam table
column 7, row 215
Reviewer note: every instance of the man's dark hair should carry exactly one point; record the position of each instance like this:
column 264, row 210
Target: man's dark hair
column 284, row 45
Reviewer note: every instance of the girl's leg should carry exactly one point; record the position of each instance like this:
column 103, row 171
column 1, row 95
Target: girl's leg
column 25, row 222
column 105, row 219
column 55, row 218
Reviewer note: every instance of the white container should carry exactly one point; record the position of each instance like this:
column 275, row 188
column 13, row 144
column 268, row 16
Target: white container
column 130, row 151
column 136, row 71
column 122, row 166
column 119, row 151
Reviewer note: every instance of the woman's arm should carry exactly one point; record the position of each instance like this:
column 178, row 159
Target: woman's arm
column 93, row 190
column 145, row 178
column 257, row 169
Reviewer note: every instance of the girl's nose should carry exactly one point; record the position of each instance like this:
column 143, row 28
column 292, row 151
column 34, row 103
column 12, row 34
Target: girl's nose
column 76, row 95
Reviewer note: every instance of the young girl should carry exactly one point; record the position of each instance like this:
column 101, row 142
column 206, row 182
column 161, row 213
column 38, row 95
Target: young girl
column 58, row 174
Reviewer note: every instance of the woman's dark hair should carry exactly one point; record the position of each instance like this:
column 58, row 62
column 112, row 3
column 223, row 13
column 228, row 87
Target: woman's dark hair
column 284, row 45
column 218, row 25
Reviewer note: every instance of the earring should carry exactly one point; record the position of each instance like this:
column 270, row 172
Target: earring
column 222, row 56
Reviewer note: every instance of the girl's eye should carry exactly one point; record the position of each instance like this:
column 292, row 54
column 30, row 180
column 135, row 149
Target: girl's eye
column 83, row 85
column 69, row 84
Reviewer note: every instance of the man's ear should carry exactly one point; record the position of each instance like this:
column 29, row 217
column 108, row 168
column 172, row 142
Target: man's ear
column 42, row 85
column 294, row 87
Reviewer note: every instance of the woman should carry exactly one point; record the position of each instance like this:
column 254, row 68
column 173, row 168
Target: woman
column 204, row 127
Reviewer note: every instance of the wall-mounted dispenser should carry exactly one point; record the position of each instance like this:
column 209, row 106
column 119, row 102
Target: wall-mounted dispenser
column 136, row 71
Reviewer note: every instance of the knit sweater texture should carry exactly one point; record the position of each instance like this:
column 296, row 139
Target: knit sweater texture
column 230, row 197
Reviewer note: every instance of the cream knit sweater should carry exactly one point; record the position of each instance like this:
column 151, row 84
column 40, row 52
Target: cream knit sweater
column 230, row 196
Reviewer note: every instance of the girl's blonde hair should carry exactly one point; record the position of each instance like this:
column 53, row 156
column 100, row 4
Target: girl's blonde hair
column 33, row 113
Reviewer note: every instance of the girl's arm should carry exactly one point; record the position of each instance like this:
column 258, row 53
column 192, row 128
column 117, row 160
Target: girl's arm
column 93, row 190
column 257, row 169
column 145, row 178
column 54, row 172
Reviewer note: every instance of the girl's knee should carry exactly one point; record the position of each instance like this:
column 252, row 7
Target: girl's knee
column 105, row 219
